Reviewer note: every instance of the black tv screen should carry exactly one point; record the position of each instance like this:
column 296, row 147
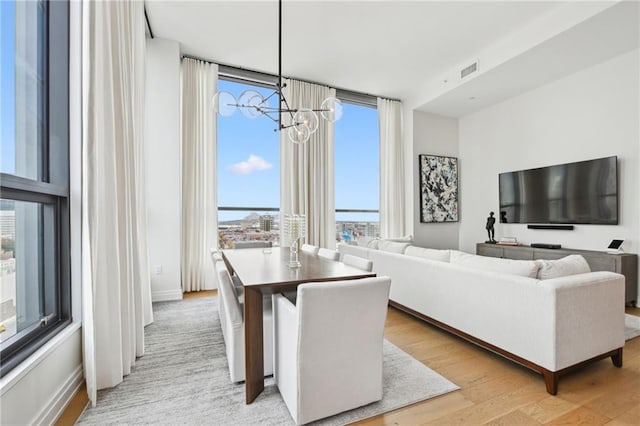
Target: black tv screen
column 585, row 192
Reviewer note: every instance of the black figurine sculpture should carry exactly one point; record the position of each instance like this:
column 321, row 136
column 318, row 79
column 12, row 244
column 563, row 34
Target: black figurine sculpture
column 490, row 231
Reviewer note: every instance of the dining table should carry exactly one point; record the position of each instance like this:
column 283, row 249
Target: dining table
column 265, row 271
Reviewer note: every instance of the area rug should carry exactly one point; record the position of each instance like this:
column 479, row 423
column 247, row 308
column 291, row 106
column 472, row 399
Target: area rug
column 183, row 378
column 631, row 326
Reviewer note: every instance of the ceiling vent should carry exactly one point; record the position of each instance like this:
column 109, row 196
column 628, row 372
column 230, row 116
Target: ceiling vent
column 473, row 68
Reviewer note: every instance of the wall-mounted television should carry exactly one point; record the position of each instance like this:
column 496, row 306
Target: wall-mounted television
column 585, row 192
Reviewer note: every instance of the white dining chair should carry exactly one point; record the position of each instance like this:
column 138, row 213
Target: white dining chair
column 308, row 248
column 328, row 254
column 252, row 244
column 232, row 322
column 328, row 346
column 358, row 262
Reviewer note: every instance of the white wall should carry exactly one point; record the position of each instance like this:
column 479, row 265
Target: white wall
column 39, row 393
column 433, row 135
column 162, row 153
column 590, row 114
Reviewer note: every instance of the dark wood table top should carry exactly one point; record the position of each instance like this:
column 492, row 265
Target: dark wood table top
column 255, row 267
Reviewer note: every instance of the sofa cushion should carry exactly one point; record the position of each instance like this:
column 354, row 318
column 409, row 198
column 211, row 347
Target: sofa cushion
column 569, row 265
column 364, row 241
column 353, row 250
column 392, row 246
column 405, row 239
column 373, row 244
column 524, row 268
column 427, row 253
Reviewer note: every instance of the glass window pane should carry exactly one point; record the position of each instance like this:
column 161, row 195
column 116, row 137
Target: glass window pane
column 248, row 172
column 357, row 172
column 248, row 225
column 26, row 265
column 351, row 226
column 23, row 67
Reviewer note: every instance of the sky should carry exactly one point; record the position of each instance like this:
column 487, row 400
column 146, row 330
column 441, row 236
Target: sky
column 249, row 159
column 7, row 86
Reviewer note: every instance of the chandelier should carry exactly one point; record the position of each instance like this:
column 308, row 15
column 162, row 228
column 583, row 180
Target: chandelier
column 304, row 121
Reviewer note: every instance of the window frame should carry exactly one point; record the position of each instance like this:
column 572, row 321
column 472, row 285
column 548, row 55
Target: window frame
column 257, row 79
column 51, row 188
column 368, row 101
column 260, row 79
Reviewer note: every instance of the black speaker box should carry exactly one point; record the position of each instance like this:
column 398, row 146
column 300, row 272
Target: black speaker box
column 555, row 227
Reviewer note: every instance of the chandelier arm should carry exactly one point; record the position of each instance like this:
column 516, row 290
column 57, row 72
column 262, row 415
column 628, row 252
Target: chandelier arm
column 287, row 109
column 290, row 125
column 266, row 114
column 271, row 95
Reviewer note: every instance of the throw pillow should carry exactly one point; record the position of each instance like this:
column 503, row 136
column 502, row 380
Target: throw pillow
column 524, row 268
column 392, row 246
column 427, row 253
column 569, row 265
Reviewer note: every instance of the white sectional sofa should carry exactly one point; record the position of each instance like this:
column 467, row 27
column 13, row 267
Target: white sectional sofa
column 523, row 310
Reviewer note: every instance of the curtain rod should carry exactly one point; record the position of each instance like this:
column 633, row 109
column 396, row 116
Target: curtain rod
column 275, row 77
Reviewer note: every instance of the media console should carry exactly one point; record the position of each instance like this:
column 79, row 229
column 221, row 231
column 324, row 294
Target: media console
column 623, row 263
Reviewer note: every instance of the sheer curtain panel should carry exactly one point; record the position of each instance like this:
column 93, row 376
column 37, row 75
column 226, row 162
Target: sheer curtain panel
column 392, row 197
column 199, row 221
column 307, row 170
column 116, row 285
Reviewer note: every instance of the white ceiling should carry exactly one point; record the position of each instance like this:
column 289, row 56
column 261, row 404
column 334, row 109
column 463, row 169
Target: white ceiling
column 385, row 48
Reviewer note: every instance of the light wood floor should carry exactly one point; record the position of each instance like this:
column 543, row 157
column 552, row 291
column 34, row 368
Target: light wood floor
column 494, row 390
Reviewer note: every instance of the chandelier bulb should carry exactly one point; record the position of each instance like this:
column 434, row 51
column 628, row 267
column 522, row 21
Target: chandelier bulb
column 331, row 109
column 307, row 117
column 224, row 103
column 299, row 133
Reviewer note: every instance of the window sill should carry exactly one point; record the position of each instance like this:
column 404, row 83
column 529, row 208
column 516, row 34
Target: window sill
column 15, row 375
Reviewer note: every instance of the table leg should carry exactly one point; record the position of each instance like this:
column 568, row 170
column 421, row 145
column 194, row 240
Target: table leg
column 253, row 344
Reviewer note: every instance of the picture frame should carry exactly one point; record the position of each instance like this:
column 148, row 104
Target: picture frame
column 438, row 188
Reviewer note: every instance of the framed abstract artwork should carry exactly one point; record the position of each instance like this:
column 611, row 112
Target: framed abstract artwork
column 438, row 188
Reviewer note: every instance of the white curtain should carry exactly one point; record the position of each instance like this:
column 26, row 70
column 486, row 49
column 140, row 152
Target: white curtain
column 307, row 170
column 116, row 285
column 392, row 193
column 199, row 220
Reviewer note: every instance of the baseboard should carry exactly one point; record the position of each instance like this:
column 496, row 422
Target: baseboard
column 59, row 401
column 166, row 295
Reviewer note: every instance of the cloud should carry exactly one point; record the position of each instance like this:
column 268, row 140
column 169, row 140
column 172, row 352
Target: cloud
column 253, row 164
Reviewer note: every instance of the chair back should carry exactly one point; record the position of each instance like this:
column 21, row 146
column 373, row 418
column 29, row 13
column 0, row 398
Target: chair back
column 231, row 306
column 252, row 244
column 358, row 262
column 341, row 330
column 308, row 248
column 328, row 254
column 218, row 265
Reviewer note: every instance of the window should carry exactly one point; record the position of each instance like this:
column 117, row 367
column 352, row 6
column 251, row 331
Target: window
column 248, row 174
column 357, row 173
column 35, row 299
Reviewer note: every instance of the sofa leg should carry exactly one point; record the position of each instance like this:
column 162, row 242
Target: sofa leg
column 551, row 381
column 617, row 358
